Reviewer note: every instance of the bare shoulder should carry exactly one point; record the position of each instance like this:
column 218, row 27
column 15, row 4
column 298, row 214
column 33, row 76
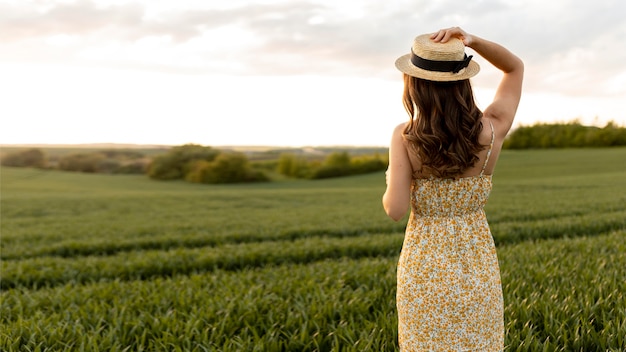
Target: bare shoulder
column 398, row 133
column 399, row 129
column 398, row 142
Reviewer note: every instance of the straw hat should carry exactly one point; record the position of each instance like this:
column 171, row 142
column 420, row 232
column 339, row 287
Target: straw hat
column 437, row 61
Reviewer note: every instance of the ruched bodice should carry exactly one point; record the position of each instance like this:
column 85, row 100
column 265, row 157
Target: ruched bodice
column 450, row 197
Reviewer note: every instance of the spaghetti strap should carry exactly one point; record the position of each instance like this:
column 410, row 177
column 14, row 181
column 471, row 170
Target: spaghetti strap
column 488, row 151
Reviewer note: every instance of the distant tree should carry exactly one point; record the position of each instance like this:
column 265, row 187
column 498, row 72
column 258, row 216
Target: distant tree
column 108, row 165
column 178, row 161
column 226, row 168
column 81, row 162
column 104, row 162
column 368, row 163
column 293, row 166
column 285, row 164
column 197, row 172
column 336, row 164
column 569, row 135
column 340, row 160
column 26, row 158
column 611, row 135
column 122, row 154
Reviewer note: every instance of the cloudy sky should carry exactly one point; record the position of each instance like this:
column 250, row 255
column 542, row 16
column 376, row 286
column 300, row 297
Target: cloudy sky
column 281, row 72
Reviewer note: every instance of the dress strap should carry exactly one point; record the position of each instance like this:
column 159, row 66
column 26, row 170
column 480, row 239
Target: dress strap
column 489, row 150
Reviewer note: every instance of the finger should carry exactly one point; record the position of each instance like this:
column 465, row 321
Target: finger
column 438, row 36
column 446, row 36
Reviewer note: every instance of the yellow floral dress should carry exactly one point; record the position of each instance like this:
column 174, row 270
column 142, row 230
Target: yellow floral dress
column 449, row 294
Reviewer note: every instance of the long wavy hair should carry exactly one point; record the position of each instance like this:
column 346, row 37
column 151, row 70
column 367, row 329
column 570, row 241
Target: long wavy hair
column 444, row 125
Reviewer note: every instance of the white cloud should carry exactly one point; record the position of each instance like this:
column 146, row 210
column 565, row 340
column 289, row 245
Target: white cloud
column 321, row 37
column 572, row 50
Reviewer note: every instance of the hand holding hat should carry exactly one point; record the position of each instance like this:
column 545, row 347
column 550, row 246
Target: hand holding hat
column 443, row 35
column 439, row 57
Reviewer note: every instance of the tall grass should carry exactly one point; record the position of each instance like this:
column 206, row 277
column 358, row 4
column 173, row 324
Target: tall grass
column 118, row 263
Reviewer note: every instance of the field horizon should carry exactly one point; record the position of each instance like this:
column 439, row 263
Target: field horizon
column 105, row 145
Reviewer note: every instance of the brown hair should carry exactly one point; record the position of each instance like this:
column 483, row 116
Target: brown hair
column 444, row 125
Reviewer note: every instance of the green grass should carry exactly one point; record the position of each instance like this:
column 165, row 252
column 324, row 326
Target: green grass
column 566, row 295
column 115, row 263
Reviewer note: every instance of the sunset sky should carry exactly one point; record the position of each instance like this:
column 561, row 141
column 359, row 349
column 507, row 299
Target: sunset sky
column 281, row 73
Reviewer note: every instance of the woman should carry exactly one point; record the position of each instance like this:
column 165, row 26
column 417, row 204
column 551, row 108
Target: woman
column 449, row 294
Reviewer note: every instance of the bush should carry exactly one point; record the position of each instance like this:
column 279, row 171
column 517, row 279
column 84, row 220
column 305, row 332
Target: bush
column 197, row 172
column 368, row 163
column 82, row 162
column 226, row 168
column 178, row 161
column 326, row 171
column 293, row 166
column 26, row 158
column 108, row 166
column 336, row 164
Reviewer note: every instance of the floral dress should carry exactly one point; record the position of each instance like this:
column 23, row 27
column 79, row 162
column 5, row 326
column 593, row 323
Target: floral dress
column 449, row 294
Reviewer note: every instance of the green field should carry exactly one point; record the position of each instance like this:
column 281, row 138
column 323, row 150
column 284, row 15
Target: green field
column 123, row 263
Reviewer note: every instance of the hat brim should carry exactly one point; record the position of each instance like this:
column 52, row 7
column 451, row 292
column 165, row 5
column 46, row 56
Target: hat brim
column 404, row 64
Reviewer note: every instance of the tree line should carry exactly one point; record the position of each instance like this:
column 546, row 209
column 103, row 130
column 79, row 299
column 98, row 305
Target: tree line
column 200, row 164
column 565, row 135
column 105, row 161
column 204, row 164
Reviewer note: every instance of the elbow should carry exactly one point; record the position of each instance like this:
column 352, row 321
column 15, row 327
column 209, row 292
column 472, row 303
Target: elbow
column 515, row 65
column 395, row 208
column 396, row 217
column 395, row 213
column 518, row 65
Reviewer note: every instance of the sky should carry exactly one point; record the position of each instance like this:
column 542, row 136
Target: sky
column 282, row 72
